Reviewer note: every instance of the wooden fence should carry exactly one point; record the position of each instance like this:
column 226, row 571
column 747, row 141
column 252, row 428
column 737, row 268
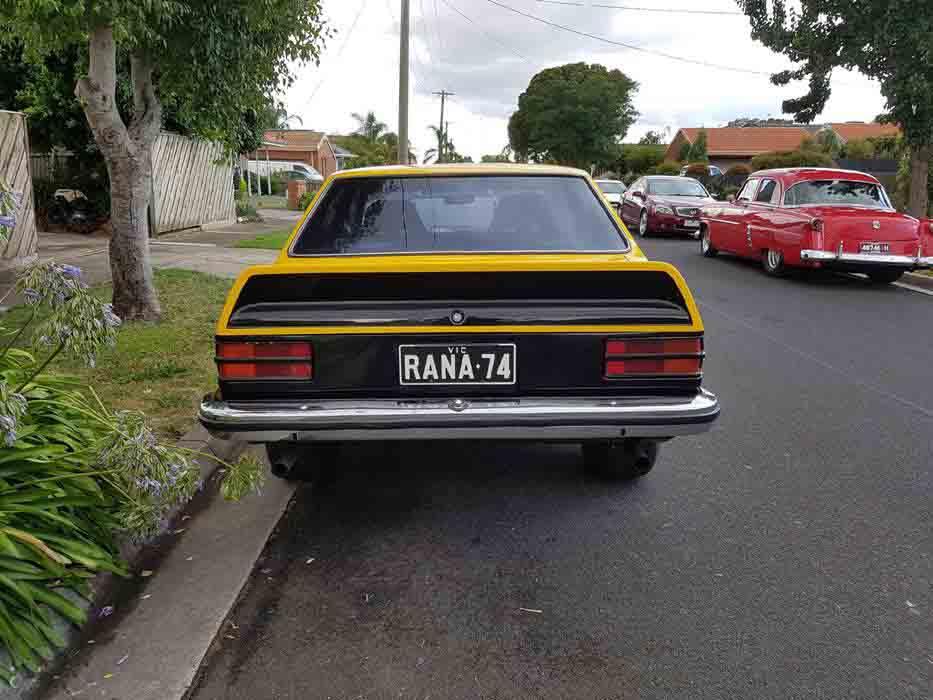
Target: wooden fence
column 22, row 246
column 192, row 184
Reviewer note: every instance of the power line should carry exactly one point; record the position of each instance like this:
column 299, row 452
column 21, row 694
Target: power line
column 631, row 47
column 667, row 10
column 485, row 33
column 346, row 40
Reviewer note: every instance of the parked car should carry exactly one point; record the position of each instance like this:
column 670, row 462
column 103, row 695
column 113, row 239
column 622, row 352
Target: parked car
column 711, row 171
column 612, row 190
column 460, row 302
column 664, row 203
column 818, row 218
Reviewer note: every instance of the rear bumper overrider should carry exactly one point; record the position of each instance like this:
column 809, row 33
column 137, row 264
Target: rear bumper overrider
column 867, row 259
column 428, row 419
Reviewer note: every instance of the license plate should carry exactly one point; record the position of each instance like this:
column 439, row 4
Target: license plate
column 474, row 363
column 874, row 248
column 692, row 223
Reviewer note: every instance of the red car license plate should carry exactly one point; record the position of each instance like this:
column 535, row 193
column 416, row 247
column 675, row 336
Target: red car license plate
column 473, row 363
column 874, row 248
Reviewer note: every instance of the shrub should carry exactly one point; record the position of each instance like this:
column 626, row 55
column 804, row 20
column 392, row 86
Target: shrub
column 305, row 200
column 700, row 171
column 859, row 149
column 75, row 474
column 739, row 170
column 636, row 160
column 791, row 159
column 246, row 210
column 668, row 167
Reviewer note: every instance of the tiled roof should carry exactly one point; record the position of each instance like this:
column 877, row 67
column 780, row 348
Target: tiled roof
column 298, row 139
column 749, row 141
column 860, row 130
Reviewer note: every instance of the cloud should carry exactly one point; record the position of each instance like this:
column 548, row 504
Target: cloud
column 488, row 58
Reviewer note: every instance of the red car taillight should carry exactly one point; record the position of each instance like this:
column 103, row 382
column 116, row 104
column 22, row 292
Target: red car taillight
column 264, row 359
column 818, row 228
column 667, row 356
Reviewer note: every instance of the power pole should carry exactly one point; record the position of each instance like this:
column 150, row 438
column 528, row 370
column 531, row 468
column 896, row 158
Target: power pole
column 442, row 138
column 403, row 87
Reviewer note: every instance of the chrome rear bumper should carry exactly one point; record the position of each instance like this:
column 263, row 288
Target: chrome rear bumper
column 866, row 258
column 522, row 419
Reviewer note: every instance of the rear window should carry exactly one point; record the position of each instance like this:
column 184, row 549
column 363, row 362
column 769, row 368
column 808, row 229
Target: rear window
column 676, row 187
column 454, row 214
column 610, row 187
column 836, row 192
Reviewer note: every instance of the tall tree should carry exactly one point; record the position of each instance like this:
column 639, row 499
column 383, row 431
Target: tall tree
column 888, row 40
column 652, row 138
column 575, row 114
column 212, row 60
column 369, row 126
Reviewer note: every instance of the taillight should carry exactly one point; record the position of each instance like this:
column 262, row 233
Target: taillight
column 665, row 356
column 264, row 359
column 817, row 226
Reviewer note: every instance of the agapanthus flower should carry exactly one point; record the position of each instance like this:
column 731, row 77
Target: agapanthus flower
column 71, row 271
column 12, row 408
column 7, row 220
column 50, row 283
column 82, row 326
column 156, row 476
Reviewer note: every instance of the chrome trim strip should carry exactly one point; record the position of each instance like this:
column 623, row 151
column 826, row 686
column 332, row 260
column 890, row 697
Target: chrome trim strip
column 518, row 418
column 866, row 258
column 721, row 221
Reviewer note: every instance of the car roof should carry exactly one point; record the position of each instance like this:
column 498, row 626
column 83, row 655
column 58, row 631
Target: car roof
column 447, row 169
column 802, row 174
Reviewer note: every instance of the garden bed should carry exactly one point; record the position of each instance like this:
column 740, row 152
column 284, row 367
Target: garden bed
column 160, row 369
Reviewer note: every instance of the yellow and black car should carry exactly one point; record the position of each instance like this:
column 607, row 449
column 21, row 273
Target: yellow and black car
column 504, row 302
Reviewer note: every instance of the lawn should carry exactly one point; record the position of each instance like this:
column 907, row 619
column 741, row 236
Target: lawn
column 267, row 201
column 269, row 241
column 161, row 369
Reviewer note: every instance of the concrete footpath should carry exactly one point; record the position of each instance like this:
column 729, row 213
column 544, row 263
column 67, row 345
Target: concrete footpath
column 153, row 648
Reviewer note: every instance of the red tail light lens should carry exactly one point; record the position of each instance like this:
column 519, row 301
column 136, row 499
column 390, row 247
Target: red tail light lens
column 818, row 228
column 664, row 356
column 264, row 359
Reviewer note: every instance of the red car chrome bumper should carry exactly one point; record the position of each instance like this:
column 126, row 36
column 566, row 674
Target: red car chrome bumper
column 869, row 259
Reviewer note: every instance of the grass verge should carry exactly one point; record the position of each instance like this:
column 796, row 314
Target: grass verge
column 162, row 369
column 268, row 241
column 267, row 201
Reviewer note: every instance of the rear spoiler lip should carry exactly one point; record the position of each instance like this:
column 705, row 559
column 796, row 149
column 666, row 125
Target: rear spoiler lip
column 464, row 263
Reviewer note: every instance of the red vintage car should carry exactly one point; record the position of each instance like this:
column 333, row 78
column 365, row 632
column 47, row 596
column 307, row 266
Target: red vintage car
column 818, row 218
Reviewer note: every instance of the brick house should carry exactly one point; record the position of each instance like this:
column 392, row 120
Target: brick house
column 301, row 146
column 728, row 146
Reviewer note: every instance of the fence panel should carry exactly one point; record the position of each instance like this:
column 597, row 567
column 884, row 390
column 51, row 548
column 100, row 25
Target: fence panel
column 192, row 184
column 22, row 245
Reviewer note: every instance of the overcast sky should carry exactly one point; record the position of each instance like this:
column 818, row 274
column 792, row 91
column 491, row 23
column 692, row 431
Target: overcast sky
column 488, row 59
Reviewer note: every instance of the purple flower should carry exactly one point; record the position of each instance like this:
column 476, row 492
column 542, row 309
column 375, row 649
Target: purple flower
column 8, row 430
column 7, row 221
column 71, row 271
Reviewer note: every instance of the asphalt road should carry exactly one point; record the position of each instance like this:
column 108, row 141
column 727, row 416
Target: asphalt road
column 787, row 554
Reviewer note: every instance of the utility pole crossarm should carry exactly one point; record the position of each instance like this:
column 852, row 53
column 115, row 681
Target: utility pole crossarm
column 442, row 128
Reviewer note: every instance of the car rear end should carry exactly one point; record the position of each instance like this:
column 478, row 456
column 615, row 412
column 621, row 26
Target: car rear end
column 555, row 344
column 853, row 227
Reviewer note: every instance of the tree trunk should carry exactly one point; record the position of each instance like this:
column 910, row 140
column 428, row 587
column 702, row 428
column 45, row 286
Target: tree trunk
column 126, row 151
column 918, row 202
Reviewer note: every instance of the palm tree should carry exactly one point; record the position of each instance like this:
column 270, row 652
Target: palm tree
column 445, row 147
column 370, row 127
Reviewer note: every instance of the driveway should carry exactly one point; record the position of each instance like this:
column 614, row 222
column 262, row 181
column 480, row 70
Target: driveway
column 787, row 554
